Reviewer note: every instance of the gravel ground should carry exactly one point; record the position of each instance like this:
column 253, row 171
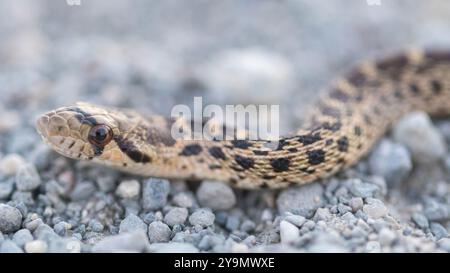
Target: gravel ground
column 153, row 56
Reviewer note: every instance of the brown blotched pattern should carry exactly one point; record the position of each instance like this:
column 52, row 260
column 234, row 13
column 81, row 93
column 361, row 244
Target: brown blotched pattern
column 343, row 126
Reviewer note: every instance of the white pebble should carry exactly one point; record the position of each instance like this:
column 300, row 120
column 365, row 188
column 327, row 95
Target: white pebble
column 128, row 189
column 10, row 164
column 36, row 246
column 375, row 209
column 373, row 247
column 289, row 233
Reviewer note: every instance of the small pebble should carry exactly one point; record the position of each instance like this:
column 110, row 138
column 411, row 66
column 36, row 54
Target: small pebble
column 82, row 191
column 297, row 220
column 362, row 189
column 420, row 220
column 289, row 233
column 27, row 178
column 391, row 161
column 435, row 211
column 37, row 246
column 10, row 164
column 159, row 232
column 421, row 137
column 444, row 243
column 10, row 219
column 126, row 242
column 9, row 246
column 356, row 203
column 96, row 226
column 375, row 208
column 184, row 200
column 216, row 195
column 154, row 193
column 303, row 200
column 21, row 237
column 61, row 228
column 438, row 230
column 202, row 217
column 132, row 223
column 386, row 237
column 128, row 189
column 176, row 216
column 6, row 188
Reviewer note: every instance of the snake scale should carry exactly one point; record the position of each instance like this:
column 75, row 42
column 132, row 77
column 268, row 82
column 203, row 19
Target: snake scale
column 348, row 119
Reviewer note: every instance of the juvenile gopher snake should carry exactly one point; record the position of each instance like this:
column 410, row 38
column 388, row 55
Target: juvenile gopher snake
column 348, row 119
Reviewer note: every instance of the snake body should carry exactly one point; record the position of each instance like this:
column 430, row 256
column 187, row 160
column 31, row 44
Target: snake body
column 345, row 123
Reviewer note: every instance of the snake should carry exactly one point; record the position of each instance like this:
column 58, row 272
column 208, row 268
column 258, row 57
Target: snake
column 345, row 122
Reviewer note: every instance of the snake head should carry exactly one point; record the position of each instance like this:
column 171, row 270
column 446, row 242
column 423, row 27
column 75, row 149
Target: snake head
column 89, row 132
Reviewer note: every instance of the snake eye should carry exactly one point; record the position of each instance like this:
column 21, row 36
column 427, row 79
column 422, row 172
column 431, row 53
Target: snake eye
column 100, row 135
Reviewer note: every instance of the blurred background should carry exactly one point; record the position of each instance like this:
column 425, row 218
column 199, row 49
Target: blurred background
column 151, row 55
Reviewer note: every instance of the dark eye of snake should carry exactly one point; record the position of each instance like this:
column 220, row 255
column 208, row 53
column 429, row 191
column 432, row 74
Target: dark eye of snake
column 100, row 135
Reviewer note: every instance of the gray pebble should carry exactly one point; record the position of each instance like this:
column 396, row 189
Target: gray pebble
column 202, row 217
column 106, row 183
column 438, row 230
column 154, row 193
column 82, row 191
column 96, row 226
column 420, row 220
column 356, row 203
column 375, row 208
column 417, row 132
column 132, row 223
column 149, row 217
column 303, row 200
column 444, row 243
column 391, row 161
column 216, row 195
column 45, row 233
column 10, row 219
column 297, row 220
column 322, row 214
column 184, row 200
column 23, row 197
column 159, row 232
column 233, row 222
column 386, row 237
column 176, row 216
column 349, row 218
column 248, row 225
column 61, row 228
column 27, row 178
column 6, row 188
column 435, row 211
column 362, row 189
column 21, row 237
column 126, row 242
column 9, row 246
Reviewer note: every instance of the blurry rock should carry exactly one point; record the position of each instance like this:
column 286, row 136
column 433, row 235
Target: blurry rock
column 216, row 195
column 154, row 193
column 303, row 200
column 417, row 132
column 10, row 164
column 391, row 161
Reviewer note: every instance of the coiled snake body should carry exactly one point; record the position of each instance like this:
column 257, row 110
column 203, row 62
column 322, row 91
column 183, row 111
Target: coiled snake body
column 346, row 122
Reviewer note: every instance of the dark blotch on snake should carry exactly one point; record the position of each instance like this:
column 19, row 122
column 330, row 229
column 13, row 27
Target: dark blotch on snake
column 309, row 139
column 241, row 144
column 316, row 157
column 191, row 149
column 280, row 164
column 217, row 153
column 343, row 144
column 131, row 151
column 244, row 162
